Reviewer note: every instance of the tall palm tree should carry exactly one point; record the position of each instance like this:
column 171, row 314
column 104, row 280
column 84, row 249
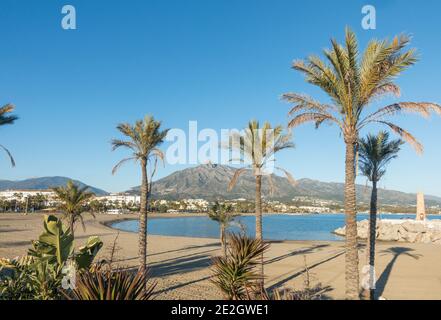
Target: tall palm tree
column 7, row 118
column 144, row 138
column 353, row 83
column 375, row 152
column 73, row 203
column 223, row 215
column 257, row 147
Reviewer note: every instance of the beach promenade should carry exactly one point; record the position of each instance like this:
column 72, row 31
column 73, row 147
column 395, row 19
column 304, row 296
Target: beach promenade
column 181, row 265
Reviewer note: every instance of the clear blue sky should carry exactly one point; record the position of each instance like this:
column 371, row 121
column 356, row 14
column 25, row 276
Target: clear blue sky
column 218, row 62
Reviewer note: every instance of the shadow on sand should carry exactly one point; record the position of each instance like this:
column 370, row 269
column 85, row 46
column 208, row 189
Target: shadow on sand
column 384, row 277
column 301, row 251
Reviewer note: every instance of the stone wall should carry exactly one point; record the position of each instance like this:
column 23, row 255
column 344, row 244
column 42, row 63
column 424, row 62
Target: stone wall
column 428, row 231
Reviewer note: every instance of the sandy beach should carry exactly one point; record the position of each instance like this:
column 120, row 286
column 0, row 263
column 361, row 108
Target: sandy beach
column 181, row 265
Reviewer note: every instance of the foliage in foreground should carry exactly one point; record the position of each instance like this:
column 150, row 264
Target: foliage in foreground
column 39, row 275
column 102, row 283
column 235, row 272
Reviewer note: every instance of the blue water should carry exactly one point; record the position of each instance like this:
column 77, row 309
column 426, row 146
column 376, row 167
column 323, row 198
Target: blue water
column 275, row 227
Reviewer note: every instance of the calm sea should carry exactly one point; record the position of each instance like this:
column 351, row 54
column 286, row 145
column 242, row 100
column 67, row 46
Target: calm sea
column 275, row 227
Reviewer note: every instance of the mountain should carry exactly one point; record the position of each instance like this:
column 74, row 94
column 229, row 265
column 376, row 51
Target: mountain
column 210, row 182
column 44, row 183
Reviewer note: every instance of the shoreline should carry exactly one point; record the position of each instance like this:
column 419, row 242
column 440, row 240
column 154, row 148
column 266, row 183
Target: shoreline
column 181, row 265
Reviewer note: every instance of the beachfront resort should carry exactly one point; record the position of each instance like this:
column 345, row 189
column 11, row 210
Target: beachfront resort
column 233, row 216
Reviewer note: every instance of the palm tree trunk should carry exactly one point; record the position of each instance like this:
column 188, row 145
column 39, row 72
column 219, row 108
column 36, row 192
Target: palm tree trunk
column 259, row 234
column 370, row 257
column 143, row 219
column 222, row 238
column 351, row 257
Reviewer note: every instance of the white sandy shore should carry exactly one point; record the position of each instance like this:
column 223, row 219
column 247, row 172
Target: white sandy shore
column 181, row 265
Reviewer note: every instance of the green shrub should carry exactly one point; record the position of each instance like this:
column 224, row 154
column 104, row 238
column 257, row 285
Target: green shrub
column 39, row 275
column 234, row 273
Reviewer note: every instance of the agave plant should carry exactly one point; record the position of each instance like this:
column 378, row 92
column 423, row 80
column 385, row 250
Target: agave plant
column 107, row 284
column 235, row 274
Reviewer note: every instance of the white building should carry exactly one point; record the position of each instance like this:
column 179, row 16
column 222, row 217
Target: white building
column 121, row 197
column 21, row 195
column 194, row 204
column 17, row 194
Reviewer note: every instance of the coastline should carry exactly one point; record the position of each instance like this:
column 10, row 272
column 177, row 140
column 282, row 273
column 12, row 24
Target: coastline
column 181, row 265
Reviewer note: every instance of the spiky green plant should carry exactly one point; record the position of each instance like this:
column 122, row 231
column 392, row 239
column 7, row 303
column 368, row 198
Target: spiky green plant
column 352, row 84
column 375, row 152
column 234, row 274
column 73, row 200
column 107, row 284
column 257, row 148
column 144, row 139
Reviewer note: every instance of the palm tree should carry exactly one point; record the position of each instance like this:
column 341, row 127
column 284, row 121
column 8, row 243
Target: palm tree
column 223, row 215
column 375, row 152
column 144, row 138
column 7, row 118
column 73, row 203
column 257, row 147
column 353, row 83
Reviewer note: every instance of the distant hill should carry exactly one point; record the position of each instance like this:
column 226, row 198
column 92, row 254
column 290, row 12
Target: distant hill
column 44, row 183
column 210, row 182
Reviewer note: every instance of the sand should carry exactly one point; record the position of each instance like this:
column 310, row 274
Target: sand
column 181, row 265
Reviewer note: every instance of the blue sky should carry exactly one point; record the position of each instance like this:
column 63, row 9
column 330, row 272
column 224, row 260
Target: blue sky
column 218, row 62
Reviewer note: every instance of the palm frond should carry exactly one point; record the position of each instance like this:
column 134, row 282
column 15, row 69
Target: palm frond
column 317, row 118
column 9, row 155
column 7, row 119
column 235, row 177
column 120, row 163
column 289, row 176
column 406, row 136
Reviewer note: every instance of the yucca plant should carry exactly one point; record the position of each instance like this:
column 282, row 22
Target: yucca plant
column 235, row 274
column 102, row 283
